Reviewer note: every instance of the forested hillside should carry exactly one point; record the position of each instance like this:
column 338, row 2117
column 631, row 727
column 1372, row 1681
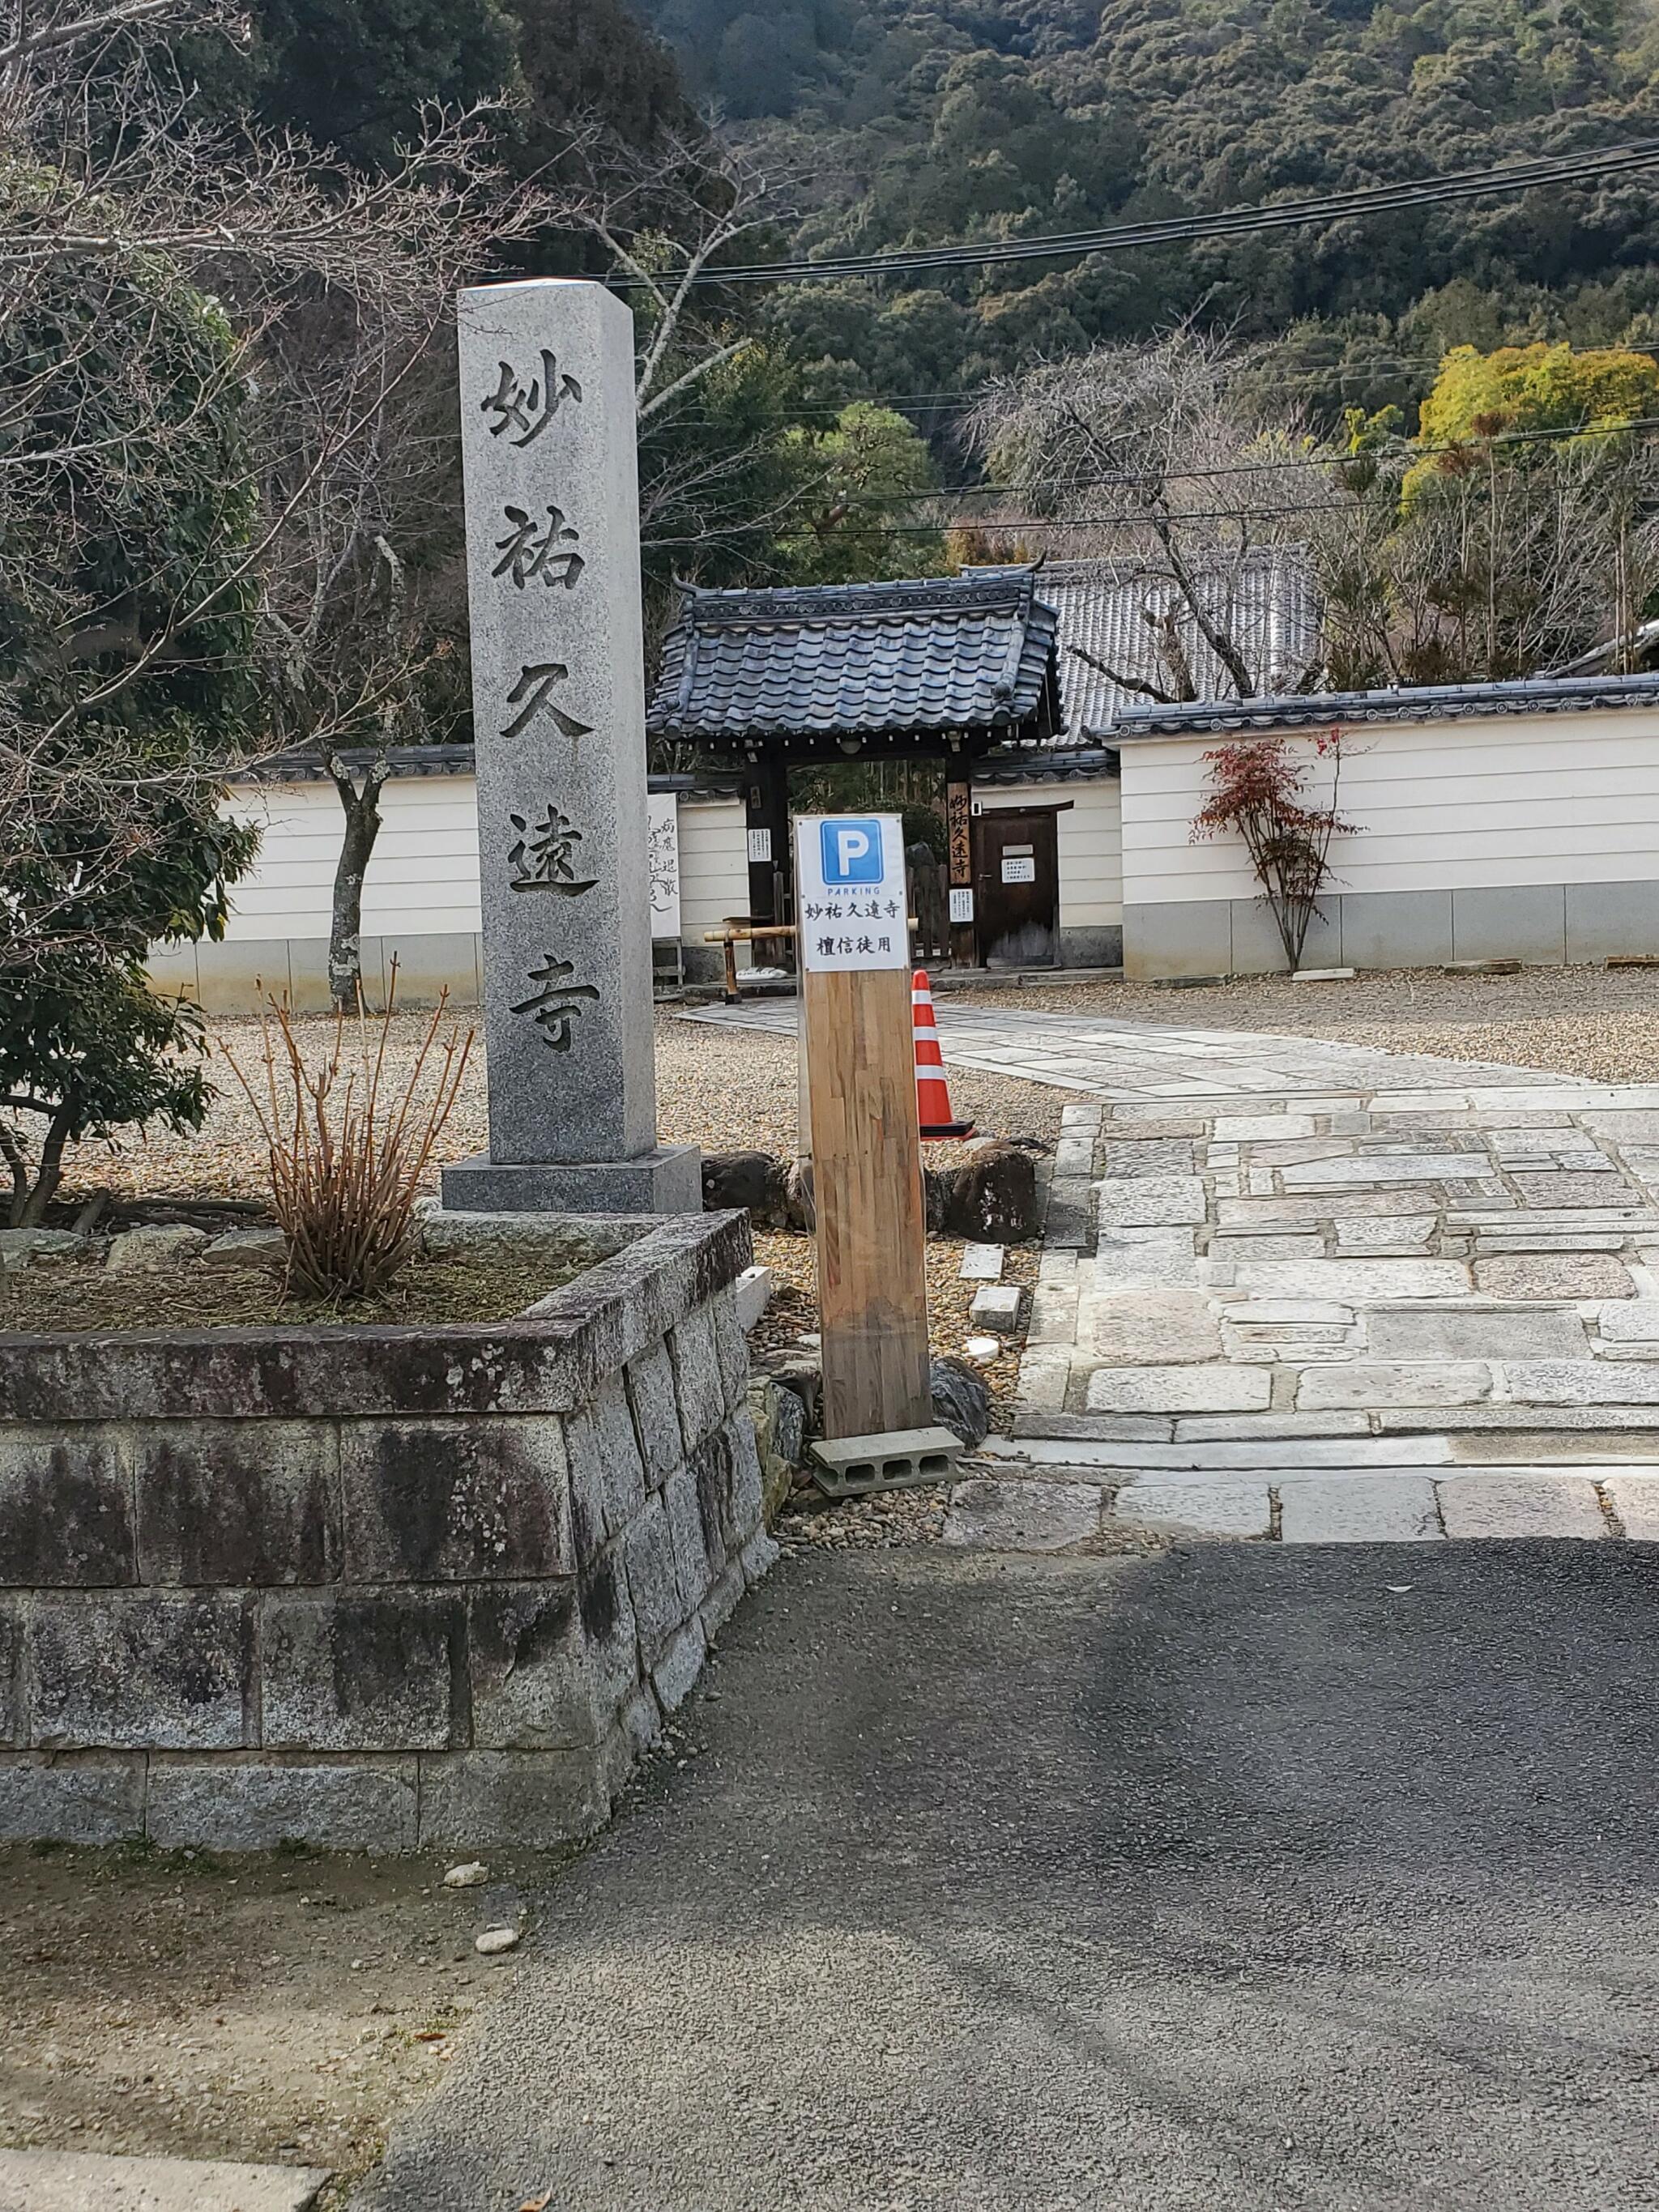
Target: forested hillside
column 966, row 119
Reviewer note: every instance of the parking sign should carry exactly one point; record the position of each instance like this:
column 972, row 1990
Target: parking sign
column 851, row 909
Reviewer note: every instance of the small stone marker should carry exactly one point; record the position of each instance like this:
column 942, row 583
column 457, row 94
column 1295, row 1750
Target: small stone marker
column 980, row 1263
column 997, row 1308
column 550, row 464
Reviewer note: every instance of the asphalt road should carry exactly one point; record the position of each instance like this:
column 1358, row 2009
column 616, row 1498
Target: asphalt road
column 1229, row 1880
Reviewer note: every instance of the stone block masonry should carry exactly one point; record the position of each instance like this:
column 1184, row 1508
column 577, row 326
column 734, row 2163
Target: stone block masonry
column 373, row 1588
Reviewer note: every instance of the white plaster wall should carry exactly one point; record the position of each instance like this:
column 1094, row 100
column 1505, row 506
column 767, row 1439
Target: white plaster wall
column 713, row 865
column 422, row 880
column 1090, row 839
column 1549, row 799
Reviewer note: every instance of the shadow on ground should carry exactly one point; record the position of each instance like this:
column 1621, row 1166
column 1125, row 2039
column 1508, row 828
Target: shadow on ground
column 1233, row 1878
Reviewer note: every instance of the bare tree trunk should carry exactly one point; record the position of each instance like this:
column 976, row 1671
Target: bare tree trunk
column 30, row 1198
column 361, row 805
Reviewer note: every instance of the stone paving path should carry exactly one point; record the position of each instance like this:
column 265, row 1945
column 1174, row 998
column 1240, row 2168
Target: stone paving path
column 1398, row 1313
column 1148, row 1060
column 1302, row 1290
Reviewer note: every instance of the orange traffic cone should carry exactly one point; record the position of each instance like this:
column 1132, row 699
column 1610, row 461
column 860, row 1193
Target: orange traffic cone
column 933, row 1094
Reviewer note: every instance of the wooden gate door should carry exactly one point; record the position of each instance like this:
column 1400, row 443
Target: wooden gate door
column 1017, row 888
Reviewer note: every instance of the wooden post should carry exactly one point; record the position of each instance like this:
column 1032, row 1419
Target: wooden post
column 867, row 1169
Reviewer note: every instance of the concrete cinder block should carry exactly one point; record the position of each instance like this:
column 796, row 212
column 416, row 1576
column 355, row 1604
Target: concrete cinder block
column 851, row 1466
column 65, row 1507
column 71, row 1798
column 471, row 1800
column 456, row 1500
column 357, row 1671
column 141, row 1670
column 256, row 1804
column 656, row 1415
column 698, row 1383
column 237, row 1503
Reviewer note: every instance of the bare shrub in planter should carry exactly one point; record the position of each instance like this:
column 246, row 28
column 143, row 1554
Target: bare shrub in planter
column 1257, row 787
column 349, row 1143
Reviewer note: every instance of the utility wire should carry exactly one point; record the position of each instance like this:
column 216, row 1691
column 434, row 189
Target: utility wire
column 1410, row 452
column 1583, row 167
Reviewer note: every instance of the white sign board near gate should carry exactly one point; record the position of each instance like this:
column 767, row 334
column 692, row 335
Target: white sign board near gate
column 665, row 834
column 1018, row 868
column 850, row 899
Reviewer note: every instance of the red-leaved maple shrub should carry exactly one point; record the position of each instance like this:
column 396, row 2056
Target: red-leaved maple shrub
column 1258, row 789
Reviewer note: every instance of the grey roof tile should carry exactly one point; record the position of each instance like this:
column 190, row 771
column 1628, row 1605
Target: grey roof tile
column 944, row 653
column 1425, row 702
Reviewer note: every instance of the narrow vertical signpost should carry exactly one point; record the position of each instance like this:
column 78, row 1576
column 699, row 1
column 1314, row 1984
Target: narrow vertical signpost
column 549, row 459
column 854, row 946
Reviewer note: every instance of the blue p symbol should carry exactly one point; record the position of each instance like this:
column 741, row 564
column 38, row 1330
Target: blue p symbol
column 852, row 851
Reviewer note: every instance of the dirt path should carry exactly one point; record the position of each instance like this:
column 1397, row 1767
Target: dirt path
column 281, row 2007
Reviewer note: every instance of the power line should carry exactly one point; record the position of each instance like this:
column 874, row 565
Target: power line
column 1381, row 364
column 1583, row 167
column 1411, row 453
column 1001, row 523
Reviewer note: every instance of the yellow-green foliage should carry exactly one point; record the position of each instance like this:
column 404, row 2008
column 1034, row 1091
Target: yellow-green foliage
column 1479, row 396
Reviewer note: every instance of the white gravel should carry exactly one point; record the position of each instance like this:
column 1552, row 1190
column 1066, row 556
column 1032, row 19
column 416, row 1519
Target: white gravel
column 1597, row 1022
column 722, row 1089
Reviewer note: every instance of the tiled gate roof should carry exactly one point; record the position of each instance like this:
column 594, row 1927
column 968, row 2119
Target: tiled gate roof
column 950, row 653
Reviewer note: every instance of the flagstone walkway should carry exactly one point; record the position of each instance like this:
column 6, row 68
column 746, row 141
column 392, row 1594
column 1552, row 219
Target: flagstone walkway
column 1298, row 1290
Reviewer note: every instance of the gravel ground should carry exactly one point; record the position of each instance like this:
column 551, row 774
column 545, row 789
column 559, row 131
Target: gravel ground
column 1598, row 1022
column 907, row 1516
column 718, row 1088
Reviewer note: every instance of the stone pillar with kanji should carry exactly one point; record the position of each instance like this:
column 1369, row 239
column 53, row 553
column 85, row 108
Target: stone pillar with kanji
column 558, row 707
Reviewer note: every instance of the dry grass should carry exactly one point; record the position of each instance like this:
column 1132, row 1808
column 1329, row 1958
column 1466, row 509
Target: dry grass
column 79, row 1295
column 349, row 1141
column 722, row 1089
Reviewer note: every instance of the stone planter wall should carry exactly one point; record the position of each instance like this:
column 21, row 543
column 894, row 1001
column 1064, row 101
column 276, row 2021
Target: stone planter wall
column 376, row 1587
